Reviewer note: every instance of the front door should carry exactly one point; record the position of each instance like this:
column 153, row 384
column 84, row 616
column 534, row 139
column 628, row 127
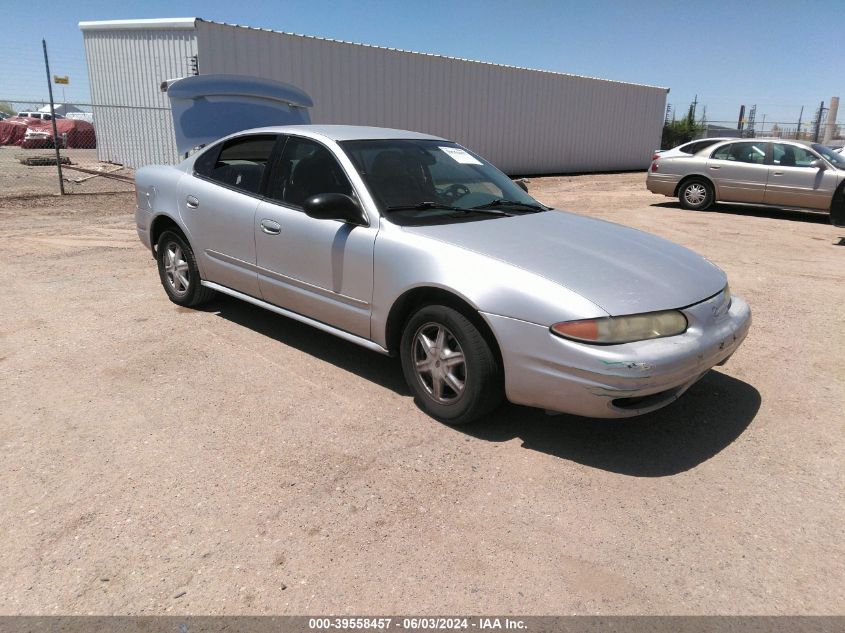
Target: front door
column 217, row 205
column 794, row 183
column 739, row 171
column 322, row 269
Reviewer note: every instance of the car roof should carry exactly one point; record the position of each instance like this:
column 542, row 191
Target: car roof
column 774, row 139
column 349, row 132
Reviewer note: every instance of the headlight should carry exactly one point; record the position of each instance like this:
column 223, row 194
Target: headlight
column 623, row 329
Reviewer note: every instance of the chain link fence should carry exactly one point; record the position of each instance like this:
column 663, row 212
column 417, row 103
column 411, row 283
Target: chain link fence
column 31, row 138
column 776, row 129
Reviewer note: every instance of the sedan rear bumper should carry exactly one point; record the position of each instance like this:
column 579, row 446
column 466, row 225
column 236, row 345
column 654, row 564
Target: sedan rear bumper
column 616, row 381
column 662, row 183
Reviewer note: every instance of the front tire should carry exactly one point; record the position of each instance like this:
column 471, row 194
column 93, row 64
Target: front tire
column 449, row 365
column 177, row 269
column 696, row 194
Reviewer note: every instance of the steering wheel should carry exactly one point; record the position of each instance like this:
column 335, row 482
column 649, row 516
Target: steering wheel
column 453, row 192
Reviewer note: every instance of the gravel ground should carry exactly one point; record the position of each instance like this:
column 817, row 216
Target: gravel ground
column 225, row 461
column 17, row 179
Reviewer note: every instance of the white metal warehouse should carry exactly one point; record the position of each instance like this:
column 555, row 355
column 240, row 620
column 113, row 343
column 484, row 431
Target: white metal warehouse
column 524, row 121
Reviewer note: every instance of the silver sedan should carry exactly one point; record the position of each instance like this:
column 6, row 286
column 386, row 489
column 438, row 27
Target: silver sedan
column 766, row 172
column 410, row 244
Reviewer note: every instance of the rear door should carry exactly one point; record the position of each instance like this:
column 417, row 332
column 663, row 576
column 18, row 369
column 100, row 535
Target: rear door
column 739, row 171
column 794, row 183
column 217, row 204
column 322, row 269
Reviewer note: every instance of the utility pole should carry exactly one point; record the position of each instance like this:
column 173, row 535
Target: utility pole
column 798, row 131
column 818, row 123
column 53, row 117
column 741, row 122
column 691, row 111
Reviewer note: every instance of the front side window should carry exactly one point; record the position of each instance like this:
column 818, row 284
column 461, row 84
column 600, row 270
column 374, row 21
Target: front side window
column 239, row 163
column 429, row 181
column 749, row 152
column 787, row 155
column 307, row 168
column 833, row 156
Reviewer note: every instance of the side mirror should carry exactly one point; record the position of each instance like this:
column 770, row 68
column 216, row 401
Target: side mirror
column 334, row 206
column 522, row 184
column 818, row 164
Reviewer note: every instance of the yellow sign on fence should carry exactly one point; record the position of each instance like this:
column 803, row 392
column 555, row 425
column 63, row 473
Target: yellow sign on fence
column 61, row 80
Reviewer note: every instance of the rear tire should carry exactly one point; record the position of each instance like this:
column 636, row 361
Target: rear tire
column 449, row 366
column 177, row 269
column 696, row 194
column 837, row 207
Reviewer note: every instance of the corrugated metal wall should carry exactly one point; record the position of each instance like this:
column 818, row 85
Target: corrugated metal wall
column 524, row 121
column 131, row 114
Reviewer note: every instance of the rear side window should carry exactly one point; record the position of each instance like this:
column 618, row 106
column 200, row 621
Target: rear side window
column 742, row 152
column 238, row 163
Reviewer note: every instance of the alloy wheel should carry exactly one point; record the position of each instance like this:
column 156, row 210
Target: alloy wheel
column 695, row 194
column 439, row 363
column 176, row 269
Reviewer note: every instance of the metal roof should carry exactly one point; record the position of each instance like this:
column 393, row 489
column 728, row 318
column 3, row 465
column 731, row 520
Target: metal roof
column 189, row 23
column 157, row 23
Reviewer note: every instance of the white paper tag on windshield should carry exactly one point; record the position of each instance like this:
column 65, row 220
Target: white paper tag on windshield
column 460, row 156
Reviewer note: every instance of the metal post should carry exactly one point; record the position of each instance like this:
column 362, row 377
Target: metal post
column 798, row 131
column 53, row 117
column 818, row 123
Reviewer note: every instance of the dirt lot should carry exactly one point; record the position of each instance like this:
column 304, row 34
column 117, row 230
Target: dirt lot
column 17, row 179
column 158, row 459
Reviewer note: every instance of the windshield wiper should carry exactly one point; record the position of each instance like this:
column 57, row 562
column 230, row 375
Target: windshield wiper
column 436, row 205
column 510, row 203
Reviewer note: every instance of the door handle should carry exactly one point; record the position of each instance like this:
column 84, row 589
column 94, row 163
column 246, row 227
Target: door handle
column 714, row 167
column 192, row 202
column 270, row 227
column 777, row 173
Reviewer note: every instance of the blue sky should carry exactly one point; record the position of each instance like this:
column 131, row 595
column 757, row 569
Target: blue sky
column 779, row 55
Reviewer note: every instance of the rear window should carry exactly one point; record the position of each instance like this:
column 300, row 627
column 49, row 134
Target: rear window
column 697, row 146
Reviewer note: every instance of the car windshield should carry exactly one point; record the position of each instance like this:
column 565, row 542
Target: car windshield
column 831, row 155
column 418, row 181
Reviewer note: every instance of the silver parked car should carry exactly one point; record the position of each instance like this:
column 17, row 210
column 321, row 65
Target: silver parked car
column 409, row 244
column 770, row 172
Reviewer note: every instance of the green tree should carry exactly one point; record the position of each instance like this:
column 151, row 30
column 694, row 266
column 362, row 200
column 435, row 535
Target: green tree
column 6, row 107
column 677, row 132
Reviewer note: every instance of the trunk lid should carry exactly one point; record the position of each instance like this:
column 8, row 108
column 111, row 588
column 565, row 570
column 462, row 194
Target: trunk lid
column 208, row 107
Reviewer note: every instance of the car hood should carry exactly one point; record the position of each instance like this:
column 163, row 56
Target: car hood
column 620, row 269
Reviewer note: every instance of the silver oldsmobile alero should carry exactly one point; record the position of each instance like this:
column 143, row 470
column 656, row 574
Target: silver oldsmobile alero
column 410, row 244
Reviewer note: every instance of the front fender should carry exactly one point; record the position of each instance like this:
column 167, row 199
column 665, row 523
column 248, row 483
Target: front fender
column 404, row 261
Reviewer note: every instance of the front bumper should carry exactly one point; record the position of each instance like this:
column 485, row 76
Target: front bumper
column 616, row 381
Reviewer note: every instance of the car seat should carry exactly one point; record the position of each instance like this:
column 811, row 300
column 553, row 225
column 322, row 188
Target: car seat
column 312, row 176
column 399, row 180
